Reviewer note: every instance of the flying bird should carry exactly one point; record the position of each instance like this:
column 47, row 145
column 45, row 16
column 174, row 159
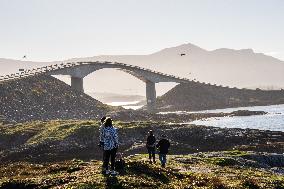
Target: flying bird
column 182, row 54
column 25, row 56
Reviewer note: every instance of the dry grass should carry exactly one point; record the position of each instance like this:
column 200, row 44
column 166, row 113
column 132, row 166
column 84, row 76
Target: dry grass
column 181, row 172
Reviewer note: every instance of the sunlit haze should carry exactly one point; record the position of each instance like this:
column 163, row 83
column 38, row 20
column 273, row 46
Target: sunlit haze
column 49, row 30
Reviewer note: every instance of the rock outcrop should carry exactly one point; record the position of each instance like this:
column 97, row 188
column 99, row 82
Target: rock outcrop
column 46, row 98
column 200, row 96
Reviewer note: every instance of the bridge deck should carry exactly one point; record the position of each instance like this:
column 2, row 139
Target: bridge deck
column 71, row 67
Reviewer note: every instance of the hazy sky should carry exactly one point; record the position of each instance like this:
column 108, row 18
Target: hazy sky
column 47, row 30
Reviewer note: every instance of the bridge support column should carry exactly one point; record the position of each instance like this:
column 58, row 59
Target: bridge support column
column 77, row 84
column 151, row 96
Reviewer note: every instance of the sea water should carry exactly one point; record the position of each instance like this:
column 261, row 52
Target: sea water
column 273, row 121
column 126, row 105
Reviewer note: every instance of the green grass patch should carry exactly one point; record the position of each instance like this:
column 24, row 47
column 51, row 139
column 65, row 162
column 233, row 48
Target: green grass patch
column 222, row 161
column 236, row 153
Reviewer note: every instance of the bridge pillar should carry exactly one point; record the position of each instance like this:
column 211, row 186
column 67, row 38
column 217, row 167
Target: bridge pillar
column 77, row 83
column 151, row 96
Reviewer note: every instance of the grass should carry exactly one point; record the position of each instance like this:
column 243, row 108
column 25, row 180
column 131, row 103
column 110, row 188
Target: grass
column 201, row 170
column 222, row 161
column 40, row 132
column 181, row 172
column 236, row 153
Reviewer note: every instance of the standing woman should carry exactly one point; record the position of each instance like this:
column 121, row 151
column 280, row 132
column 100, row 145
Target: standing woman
column 109, row 137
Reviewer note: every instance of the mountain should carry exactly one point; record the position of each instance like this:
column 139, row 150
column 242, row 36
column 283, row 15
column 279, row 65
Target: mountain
column 236, row 68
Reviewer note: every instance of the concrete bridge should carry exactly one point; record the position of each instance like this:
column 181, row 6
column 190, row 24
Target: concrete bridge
column 78, row 70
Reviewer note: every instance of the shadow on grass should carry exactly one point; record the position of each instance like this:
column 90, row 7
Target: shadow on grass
column 113, row 183
column 139, row 168
column 13, row 184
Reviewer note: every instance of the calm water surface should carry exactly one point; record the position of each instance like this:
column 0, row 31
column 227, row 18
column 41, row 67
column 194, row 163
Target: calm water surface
column 273, row 121
column 126, row 105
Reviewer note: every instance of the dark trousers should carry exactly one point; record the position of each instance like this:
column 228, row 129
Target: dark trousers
column 109, row 154
column 151, row 152
column 163, row 159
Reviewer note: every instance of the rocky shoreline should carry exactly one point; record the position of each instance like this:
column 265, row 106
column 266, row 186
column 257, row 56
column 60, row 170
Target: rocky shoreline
column 64, row 153
column 68, row 139
column 182, row 117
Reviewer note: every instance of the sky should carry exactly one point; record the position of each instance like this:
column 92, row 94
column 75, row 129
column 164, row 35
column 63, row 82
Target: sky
column 50, row 30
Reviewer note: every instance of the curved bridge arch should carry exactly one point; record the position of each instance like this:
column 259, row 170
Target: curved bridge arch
column 78, row 70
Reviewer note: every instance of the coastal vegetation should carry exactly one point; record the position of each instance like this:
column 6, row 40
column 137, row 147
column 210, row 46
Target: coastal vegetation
column 42, row 141
column 182, row 171
column 64, row 154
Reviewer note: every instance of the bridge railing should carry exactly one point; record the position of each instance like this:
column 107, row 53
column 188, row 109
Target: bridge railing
column 45, row 69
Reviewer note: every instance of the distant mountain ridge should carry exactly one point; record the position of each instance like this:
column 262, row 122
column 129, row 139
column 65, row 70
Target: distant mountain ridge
column 236, row 68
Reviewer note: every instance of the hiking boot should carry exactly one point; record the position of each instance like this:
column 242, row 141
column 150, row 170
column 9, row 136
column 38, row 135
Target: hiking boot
column 163, row 165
